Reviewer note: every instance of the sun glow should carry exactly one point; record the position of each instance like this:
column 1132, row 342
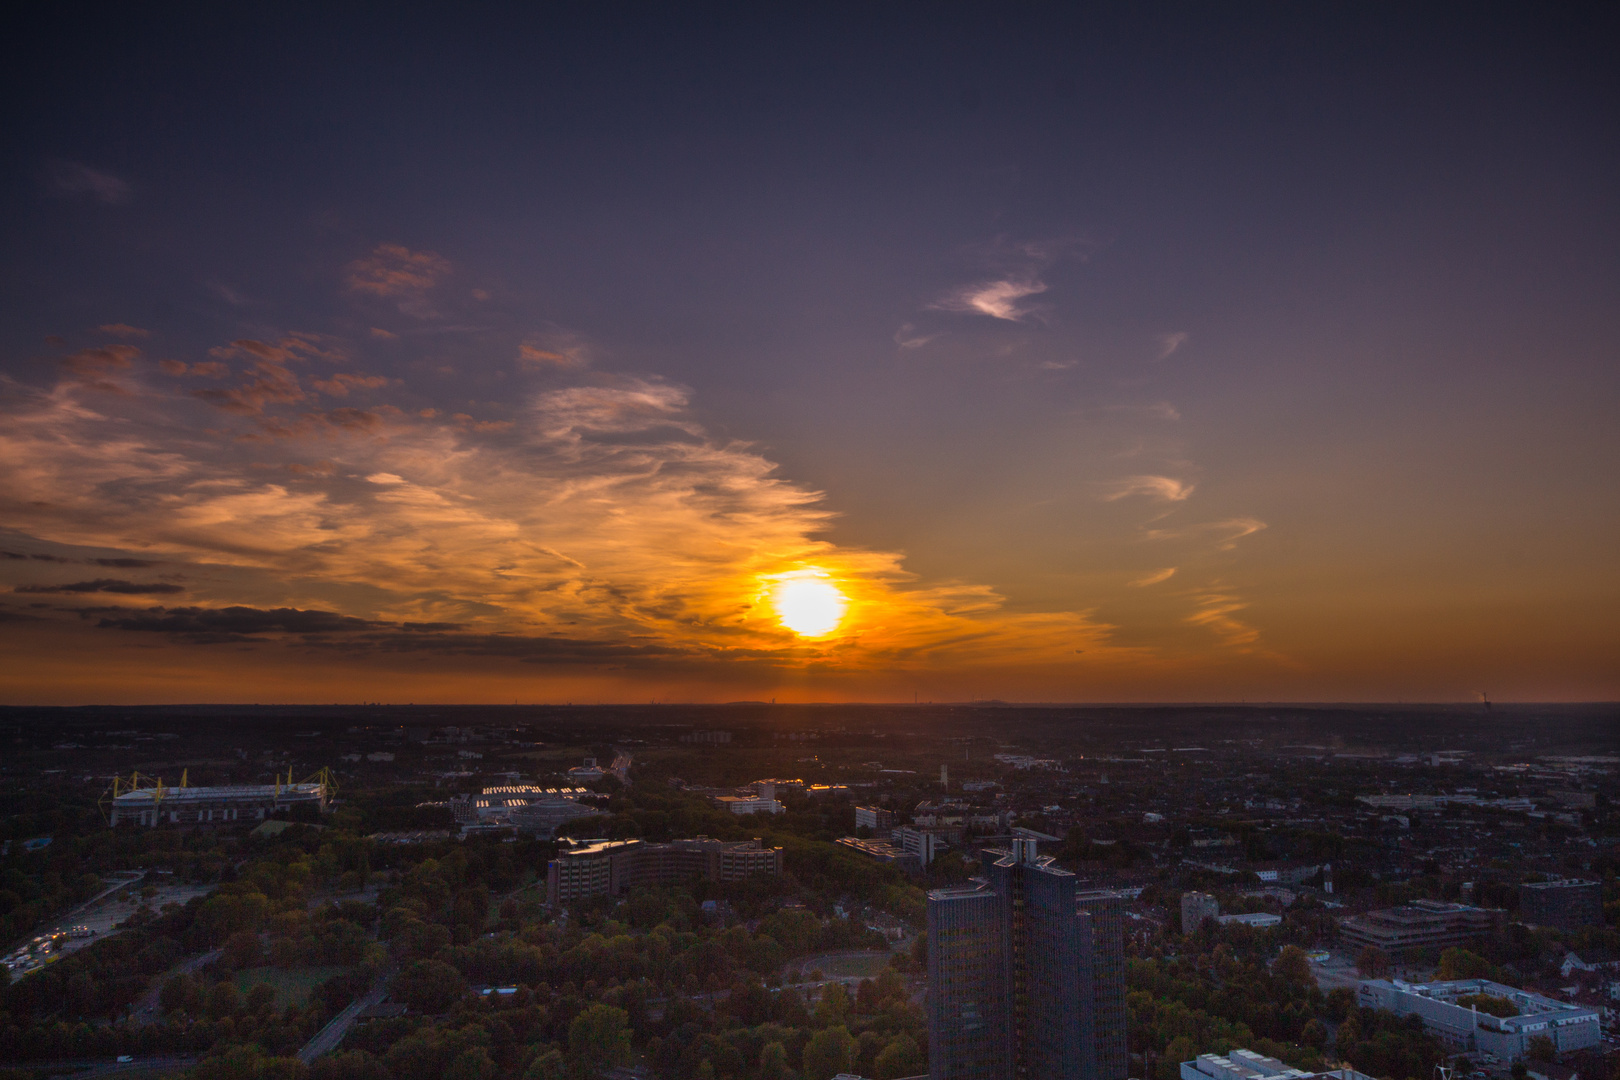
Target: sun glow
column 808, row 604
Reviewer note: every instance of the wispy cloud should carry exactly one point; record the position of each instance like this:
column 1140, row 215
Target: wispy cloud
column 395, row 272
column 106, row 585
column 1169, row 343
column 555, row 348
column 1225, row 534
column 1000, row 299
column 70, row 179
column 909, row 337
column 1154, row 578
column 124, row 330
column 1216, row 612
column 1158, row 488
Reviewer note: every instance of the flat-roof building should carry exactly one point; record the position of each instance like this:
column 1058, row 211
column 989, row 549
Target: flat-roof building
column 1248, row 1065
column 1565, row 905
column 614, row 867
column 1450, row 1011
column 1422, row 924
column 1011, row 973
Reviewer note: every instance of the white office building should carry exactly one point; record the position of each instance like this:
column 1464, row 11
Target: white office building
column 1450, row 1011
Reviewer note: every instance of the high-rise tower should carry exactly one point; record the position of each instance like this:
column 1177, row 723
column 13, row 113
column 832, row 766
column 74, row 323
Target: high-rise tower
column 1011, row 988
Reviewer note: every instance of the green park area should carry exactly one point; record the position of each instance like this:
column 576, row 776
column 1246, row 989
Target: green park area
column 292, row 985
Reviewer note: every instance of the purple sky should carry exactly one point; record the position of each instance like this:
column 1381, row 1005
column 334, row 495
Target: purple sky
column 1146, row 353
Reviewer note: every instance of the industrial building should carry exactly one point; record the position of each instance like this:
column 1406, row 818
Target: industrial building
column 614, row 867
column 1248, row 1065
column 1011, row 977
column 1450, row 1011
column 185, row 805
column 1422, row 924
column 1565, row 905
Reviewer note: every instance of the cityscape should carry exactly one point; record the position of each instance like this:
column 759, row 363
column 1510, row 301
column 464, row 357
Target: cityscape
column 949, row 541
column 967, row 891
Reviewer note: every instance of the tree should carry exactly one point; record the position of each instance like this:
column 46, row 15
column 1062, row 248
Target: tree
column 473, row 1063
column 260, row 997
column 833, row 1008
column 1293, row 968
column 174, row 993
column 773, row 1062
column 1462, row 964
column 547, row 1065
column 429, row 986
column 242, row 949
column 222, row 1000
column 902, row 1057
column 1372, row 963
column 348, row 1065
column 829, row 1052
column 599, row 1039
column 1541, row 1049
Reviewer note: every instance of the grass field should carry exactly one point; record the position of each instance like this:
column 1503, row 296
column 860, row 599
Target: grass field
column 849, row 967
column 292, row 984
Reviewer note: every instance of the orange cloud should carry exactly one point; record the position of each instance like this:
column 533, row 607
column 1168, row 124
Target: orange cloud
column 395, row 272
column 124, row 330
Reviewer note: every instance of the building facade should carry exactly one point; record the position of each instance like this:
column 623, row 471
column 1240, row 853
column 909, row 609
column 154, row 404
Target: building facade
column 614, row 867
column 1011, row 976
column 1107, row 910
column 155, row 806
column 1195, row 908
column 1565, row 905
column 1248, row 1065
column 1422, row 924
column 1450, row 1012
column 876, row 818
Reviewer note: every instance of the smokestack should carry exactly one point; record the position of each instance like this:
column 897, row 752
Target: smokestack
column 945, row 777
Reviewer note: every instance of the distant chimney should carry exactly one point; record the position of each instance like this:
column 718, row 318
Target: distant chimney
column 945, row 777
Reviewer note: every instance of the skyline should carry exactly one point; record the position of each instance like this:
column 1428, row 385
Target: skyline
column 1125, row 357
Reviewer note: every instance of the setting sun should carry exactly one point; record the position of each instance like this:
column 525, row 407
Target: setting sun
column 808, row 604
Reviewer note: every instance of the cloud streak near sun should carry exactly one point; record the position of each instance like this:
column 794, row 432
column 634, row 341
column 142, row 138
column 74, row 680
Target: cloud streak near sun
column 600, row 525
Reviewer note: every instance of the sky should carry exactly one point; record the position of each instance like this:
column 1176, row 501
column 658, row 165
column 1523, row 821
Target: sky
column 627, row 353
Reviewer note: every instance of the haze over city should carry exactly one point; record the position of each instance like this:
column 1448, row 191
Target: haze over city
column 613, row 354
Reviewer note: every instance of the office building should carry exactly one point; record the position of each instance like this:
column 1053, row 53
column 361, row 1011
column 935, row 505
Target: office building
column 1195, row 908
column 1011, row 976
column 1248, row 1065
column 885, row 851
column 924, row 843
column 1257, row 919
column 763, row 801
column 1107, row 910
column 614, row 867
column 1450, row 1012
column 876, row 818
column 1422, row 924
column 1565, row 905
